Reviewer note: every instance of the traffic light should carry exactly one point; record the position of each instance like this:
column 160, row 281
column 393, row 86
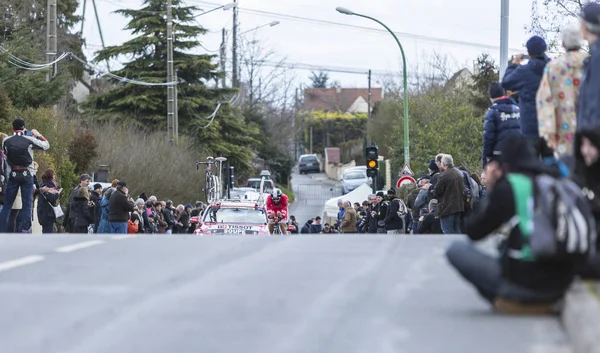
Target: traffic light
column 372, row 154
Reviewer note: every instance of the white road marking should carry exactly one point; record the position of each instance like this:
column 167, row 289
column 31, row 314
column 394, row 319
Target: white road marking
column 23, row 261
column 121, row 237
column 79, row 246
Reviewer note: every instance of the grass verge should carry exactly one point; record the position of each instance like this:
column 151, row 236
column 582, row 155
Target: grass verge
column 289, row 192
column 594, row 287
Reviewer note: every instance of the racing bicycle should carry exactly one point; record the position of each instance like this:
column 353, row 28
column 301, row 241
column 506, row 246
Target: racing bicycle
column 277, row 226
column 212, row 186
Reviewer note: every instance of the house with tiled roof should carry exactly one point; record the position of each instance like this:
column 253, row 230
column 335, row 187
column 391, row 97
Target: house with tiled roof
column 346, row 100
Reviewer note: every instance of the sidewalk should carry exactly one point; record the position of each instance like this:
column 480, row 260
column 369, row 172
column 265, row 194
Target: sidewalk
column 581, row 316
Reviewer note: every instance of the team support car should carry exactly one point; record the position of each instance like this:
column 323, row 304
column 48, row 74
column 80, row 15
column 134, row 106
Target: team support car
column 233, row 217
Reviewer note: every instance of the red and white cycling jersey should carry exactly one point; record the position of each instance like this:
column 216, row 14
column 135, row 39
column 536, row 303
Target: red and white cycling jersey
column 281, row 207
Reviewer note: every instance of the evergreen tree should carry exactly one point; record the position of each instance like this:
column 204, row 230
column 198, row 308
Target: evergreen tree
column 227, row 134
column 147, row 105
column 23, row 33
column 487, row 72
column 319, row 79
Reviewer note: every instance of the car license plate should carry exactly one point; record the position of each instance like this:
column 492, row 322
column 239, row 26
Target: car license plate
column 309, row 164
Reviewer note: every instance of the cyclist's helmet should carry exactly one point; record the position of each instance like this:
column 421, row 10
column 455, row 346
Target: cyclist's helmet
column 276, row 194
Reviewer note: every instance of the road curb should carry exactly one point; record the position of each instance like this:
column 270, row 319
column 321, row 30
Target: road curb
column 581, row 318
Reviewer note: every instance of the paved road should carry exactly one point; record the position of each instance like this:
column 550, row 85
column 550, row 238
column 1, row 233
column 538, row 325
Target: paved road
column 312, row 191
column 330, row 294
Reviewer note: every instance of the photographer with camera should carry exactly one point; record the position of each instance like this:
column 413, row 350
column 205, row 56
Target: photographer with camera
column 18, row 149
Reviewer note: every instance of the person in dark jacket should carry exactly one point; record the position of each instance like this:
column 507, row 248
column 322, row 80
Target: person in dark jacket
column 429, row 223
column 393, row 223
column 511, row 284
column 306, row 227
column 381, row 213
column 49, row 196
column 371, row 221
column 587, row 175
column 588, row 112
column 118, row 209
column 449, row 192
column 502, row 120
column 526, row 80
column 294, row 223
column 81, row 211
column 169, row 217
column 84, row 182
column 316, row 227
column 95, row 198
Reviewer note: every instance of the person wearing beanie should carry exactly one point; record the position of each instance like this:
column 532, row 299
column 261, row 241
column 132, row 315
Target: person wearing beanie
column 525, row 79
column 558, row 94
column 397, row 214
column 502, row 120
column 381, row 212
column 18, row 150
column 137, row 216
column 588, row 112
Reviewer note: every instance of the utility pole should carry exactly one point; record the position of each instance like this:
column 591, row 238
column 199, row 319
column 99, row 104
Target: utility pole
column 100, row 30
column 504, row 15
column 223, row 54
column 51, row 47
column 296, row 106
column 170, row 88
column 175, row 109
column 367, row 137
column 234, row 67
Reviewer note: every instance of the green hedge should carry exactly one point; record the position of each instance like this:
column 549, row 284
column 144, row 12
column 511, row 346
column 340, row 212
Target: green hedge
column 289, row 192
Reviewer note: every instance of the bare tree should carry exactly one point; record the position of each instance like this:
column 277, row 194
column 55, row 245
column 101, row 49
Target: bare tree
column 548, row 17
column 433, row 70
column 267, row 75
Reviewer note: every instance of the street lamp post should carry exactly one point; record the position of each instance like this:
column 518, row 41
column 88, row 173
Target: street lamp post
column 270, row 24
column 345, row 11
column 237, row 70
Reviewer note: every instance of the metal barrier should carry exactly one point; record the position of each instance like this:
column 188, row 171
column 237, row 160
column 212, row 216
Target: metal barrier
column 316, row 193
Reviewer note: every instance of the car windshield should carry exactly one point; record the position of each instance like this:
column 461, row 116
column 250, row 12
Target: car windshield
column 354, row 176
column 255, row 184
column 311, row 159
column 235, row 215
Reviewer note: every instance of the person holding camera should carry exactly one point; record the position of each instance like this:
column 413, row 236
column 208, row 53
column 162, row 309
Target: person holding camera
column 18, row 149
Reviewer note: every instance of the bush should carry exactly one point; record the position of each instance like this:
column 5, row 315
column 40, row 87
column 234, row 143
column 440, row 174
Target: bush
column 149, row 164
column 83, row 149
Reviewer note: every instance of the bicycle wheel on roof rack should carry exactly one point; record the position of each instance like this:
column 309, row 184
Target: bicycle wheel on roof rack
column 207, row 188
column 216, row 190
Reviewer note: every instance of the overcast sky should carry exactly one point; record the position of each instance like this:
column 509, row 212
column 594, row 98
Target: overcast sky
column 302, row 41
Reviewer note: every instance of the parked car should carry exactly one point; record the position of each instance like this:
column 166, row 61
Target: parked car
column 353, row 179
column 309, row 163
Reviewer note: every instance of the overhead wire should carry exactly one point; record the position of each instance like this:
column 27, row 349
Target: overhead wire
column 26, row 65
column 413, row 36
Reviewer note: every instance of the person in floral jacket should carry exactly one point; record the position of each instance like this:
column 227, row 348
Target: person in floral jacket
column 558, row 93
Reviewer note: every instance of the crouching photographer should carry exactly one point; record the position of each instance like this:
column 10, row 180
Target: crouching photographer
column 18, row 150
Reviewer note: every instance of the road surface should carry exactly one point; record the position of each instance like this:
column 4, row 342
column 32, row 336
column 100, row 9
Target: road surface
column 307, row 294
column 330, row 294
column 312, row 191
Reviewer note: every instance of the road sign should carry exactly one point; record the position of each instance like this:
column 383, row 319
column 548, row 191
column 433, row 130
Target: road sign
column 406, row 170
column 405, row 180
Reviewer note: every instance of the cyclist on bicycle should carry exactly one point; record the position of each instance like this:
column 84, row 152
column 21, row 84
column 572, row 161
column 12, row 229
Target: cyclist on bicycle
column 277, row 207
